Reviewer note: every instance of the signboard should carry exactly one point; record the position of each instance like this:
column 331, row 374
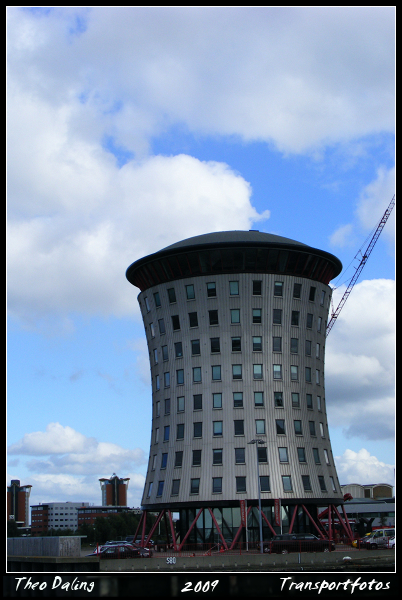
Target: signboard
column 277, row 512
column 243, row 512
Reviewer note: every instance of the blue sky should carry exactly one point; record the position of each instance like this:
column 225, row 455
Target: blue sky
column 132, row 128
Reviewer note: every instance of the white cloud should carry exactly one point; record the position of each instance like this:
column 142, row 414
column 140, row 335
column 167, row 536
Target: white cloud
column 342, row 236
column 360, row 381
column 375, row 199
column 297, row 77
column 70, row 452
column 362, row 467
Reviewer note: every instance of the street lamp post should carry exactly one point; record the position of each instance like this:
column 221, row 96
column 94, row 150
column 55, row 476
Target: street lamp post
column 256, row 442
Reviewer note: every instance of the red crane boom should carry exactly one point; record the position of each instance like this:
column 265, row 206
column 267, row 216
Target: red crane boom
column 363, row 261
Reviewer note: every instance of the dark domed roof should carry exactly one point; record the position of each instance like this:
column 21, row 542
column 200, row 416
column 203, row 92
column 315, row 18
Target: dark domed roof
column 230, row 237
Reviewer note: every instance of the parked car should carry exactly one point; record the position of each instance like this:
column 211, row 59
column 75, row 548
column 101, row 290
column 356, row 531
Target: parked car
column 356, row 543
column 378, row 539
column 99, row 549
column 391, row 542
column 298, row 542
column 120, row 551
column 149, row 543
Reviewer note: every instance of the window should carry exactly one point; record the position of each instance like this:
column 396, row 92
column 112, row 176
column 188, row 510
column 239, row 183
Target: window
column 175, row 487
column 175, row 322
column 316, row 456
column 294, row 345
column 297, row 290
column 264, row 483
column 180, row 404
column 155, row 356
column 196, row 458
column 312, row 294
column 295, row 318
column 165, row 353
column 196, row 374
column 319, row 323
column 164, row 460
column 262, row 454
column 277, row 344
column 195, row 486
column 178, row 349
column 190, row 293
column 332, row 483
column 298, row 427
column 166, row 379
column 278, row 287
column 317, row 377
column 156, row 435
column 321, row 481
column 239, row 427
column 283, row 455
column 162, row 328
column 287, row 483
column 294, row 372
column 218, row 428
column 306, row 483
column 215, row 345
column 295, row 400
column 157, row 383
column 326, row 456
column 257, row 315
column 160, row 488
column 193, row 319
column 211, row 289
column 257, row 371
column 240, row 456
column 157, row 299
column 197, row 429
column 216, row 372
column 178, row 458
column 147, row 304
column 260, row 427
column 309, row 322
column 312, row 427
column 213, row 317
column 167, row 406
column 217, row 456
column 234, row 316
column 277, row 371
column 149, row 490
column 236, row 371
column 319, row 402
column 278, row 399
column 236, row 344
column 197, row 401
column 217, row 400
column 166, row 433
column 258, row 399
column 257, row 287
column 309, row 400
column 234, row 288
column 322, row 430
column 280, row 426
column 180, row 376
column 322, row 298
column 308, row 374
column 308, row 348
column 257, row 343
column 171, row 295
column 317, row 350
column 195, row 347
column 216, row 485
column 277, row 316
column 301, row 453
column 152, row 328
column 240, row 484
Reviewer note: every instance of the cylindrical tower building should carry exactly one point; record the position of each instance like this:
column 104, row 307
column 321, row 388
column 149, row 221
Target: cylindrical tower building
column 235, row 324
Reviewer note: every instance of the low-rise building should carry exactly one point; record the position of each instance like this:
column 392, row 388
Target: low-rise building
column 55, row 515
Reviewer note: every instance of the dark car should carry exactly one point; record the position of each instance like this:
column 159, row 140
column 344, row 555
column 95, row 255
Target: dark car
column 120, row 551
column 298, row 542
